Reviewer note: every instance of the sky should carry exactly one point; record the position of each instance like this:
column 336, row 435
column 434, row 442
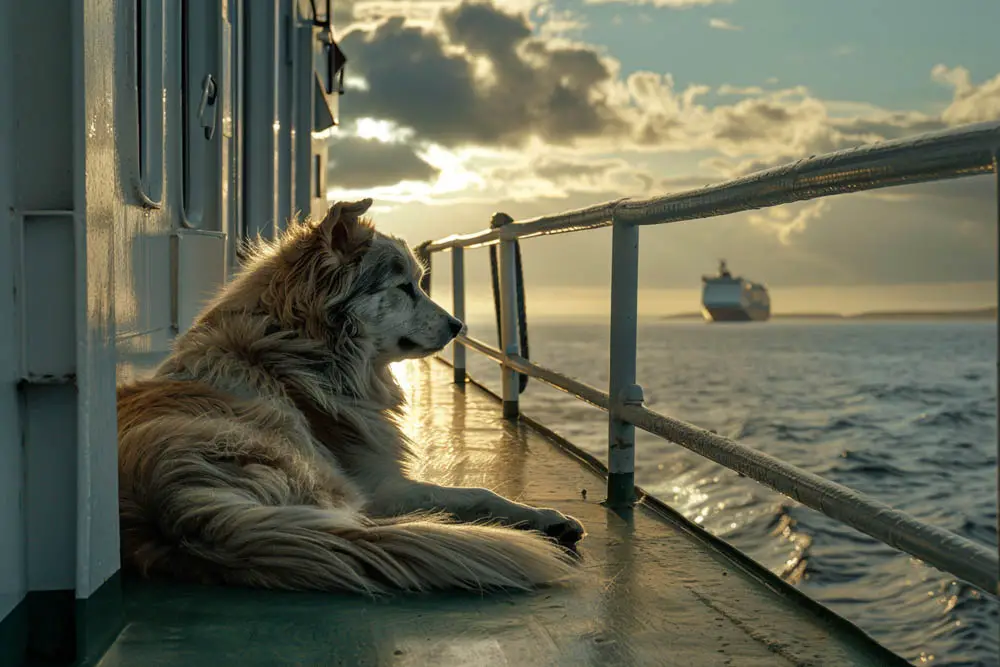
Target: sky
column 456, row 109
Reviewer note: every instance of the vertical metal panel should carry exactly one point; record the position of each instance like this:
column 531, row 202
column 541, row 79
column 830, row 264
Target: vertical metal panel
column 44, row 118
column 225, row 41
column 50, row 438
column 149, row 36
column 50, row 299
column 48, row 290
column 264, row 27
column 458, row 308
column 13, row 572
column 203, row 95
column 237, row 230
column 624, row 306
column 200, row 264
column 285, row 111
column 304, row 88
column 98, row 223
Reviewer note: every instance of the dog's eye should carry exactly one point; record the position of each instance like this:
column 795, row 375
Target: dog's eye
column 409, row 289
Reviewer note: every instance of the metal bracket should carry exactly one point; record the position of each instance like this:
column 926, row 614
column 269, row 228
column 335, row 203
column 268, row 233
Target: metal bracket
column 209, row 96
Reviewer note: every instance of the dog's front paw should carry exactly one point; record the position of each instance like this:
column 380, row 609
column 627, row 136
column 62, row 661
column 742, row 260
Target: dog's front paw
column 564, row 529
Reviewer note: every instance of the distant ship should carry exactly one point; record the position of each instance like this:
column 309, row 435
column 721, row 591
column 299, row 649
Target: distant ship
column 728, row 298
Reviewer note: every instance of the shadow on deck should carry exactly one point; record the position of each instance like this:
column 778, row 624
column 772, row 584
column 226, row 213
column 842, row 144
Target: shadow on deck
column 654, row 589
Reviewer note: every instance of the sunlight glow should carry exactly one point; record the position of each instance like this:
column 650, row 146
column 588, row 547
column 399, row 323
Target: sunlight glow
column 455, row 176
column 382, row 130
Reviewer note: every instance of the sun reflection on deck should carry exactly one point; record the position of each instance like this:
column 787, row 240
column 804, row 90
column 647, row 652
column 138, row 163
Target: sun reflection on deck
column 406, row 374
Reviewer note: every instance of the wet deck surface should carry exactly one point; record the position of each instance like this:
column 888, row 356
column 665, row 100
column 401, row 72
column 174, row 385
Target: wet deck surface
column 651, row 592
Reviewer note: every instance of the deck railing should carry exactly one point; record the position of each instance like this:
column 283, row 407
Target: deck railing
column 965, row 151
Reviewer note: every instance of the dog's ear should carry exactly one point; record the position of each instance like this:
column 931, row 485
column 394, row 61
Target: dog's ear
column 343, row 229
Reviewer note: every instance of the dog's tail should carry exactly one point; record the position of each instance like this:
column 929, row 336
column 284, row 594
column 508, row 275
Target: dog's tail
column 240, row 541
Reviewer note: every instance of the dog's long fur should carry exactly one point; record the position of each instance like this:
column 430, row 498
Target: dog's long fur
column 265, row 450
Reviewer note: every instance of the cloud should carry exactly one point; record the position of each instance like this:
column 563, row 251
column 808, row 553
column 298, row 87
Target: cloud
column 790, row 218
column 772, row 129
column 970, row 103
column 483, row 76
column 727, row 89
column 558, row 23
column 673, row 4
column 723, row 24
column 563, row 176
column 477, row 107
column 777, row 126
column 480, row 77
column 355, row 162
column 368, row 13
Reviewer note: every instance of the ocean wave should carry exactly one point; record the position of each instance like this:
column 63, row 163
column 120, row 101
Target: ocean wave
column 909, row 392
column 949, row 418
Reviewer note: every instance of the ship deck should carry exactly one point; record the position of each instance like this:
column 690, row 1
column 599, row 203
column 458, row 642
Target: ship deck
column 653, row 588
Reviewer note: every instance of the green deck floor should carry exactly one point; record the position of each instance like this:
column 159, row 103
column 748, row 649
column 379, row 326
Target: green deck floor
column 653, row 590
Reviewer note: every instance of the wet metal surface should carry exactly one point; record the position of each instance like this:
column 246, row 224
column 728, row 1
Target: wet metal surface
column 650, row 592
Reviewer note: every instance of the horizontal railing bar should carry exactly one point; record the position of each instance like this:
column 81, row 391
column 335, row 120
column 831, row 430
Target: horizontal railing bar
column 590, row 217
column 941, row 548
column 965, row 151
column 953, row 153
column 478, row 345
column 580, row 390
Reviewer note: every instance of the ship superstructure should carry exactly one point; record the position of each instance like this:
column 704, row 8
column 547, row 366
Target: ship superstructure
column 729, row 298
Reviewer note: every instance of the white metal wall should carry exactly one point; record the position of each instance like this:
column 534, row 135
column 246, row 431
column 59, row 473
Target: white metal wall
column 118, row 220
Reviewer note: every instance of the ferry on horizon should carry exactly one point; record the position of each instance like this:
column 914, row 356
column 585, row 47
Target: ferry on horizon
column 729, row 298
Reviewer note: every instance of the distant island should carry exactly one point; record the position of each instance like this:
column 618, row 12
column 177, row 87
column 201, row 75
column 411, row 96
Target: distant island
column 897, row 315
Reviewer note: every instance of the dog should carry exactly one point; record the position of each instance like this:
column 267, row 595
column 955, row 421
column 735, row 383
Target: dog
column 266, row 451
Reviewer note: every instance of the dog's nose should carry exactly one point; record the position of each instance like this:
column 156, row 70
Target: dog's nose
column 456, row 326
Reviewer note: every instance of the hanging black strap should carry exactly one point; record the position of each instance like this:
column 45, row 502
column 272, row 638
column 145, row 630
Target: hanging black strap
column 499, row 220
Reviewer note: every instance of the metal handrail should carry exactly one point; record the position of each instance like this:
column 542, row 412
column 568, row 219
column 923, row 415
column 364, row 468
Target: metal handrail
column 965, row 151
column 934, row 156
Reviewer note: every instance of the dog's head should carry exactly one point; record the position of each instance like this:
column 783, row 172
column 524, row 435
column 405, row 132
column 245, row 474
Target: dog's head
column 343, row 281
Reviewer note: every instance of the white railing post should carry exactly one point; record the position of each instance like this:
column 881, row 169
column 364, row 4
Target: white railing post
column 622, row 387
column 507, row 268
column 458, row 308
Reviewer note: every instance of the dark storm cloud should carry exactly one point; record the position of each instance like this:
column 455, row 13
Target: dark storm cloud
column 429, row 81
column 750, row 119
column 364, row 163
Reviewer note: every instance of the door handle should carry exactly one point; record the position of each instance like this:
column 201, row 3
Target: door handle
column 206, row 107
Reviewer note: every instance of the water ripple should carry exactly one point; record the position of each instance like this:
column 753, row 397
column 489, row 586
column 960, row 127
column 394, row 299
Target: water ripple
column 902, row 412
